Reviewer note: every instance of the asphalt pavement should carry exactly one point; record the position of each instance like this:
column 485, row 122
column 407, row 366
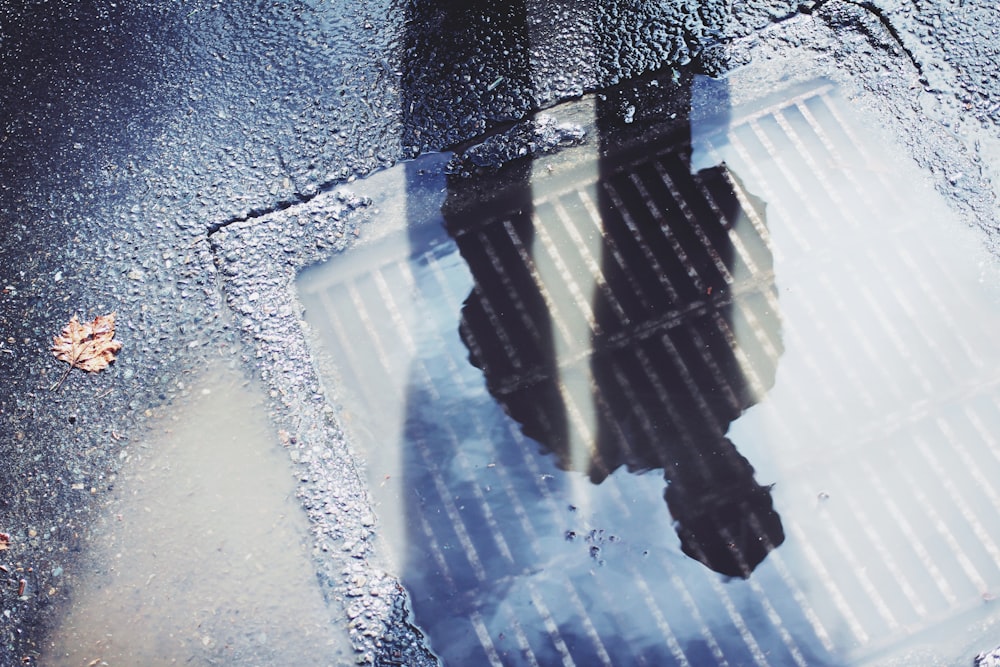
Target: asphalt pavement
column 177, row 164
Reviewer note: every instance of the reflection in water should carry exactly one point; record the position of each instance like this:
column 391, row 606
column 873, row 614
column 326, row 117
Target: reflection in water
column 879, row 428
column 658, row 355
column 609, row 316
column 438, row 97
column 202, row 557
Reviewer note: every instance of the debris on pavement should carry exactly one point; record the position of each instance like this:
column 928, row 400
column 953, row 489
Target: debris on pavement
column 989, row 658
column 89, row 346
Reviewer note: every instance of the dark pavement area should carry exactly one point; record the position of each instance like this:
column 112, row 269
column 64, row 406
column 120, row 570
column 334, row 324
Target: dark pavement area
column 178, row 164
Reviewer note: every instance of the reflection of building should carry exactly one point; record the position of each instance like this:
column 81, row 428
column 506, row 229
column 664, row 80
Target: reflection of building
column 628, row 322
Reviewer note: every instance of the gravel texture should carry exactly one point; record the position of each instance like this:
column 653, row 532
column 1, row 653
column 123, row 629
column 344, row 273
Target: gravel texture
column 178, row 163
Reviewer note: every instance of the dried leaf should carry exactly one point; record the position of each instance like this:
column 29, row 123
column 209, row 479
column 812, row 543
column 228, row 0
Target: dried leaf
column 4, row 541
column 88, row 346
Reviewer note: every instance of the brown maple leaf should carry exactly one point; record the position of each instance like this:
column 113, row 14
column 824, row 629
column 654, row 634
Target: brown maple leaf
column 88, row 346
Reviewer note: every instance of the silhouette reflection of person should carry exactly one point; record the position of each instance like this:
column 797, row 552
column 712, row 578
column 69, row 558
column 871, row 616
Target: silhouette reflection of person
column 652, row 329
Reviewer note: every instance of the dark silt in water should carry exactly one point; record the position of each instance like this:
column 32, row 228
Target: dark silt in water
column 703, row 390
column 204, row 556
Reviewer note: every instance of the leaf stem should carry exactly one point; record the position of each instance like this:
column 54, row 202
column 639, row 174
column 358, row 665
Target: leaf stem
column 62, row 379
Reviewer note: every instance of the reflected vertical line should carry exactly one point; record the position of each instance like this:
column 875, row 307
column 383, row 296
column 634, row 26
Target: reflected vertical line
column 703, row 628
column 917, row 322
column 775, row 202
column 507, row 483
column 668, row 234
column 689, row 382
column 775, row 618
column 581, row 410
column 373, row 335
column 611, row 247
column 801, row 600
column 758, row 334
column 400, row 326
column 737, row 619
column 746, row 368
column 592, row 267
column 861, row 515
column 529, row 265
column 732, row 231
column 633, row 229
column 461, row 532
column 330, row 311
column 969, row 463
column 940, row 526
column 849, row 316
column 959, row 502
column 484, row 639
column 899, row 344
column 743, row 197
column 661, row 623
column 431, row 388
column 828, row 583
column 550, row 626
column 582, row 447
column 588, row 624
column 859, row 146
column 552, row 250
column 522, row 640
column 522, row 310
column 495, row 532
column 435, row 546
column 911, row 537
column 685, row 210
column 793, row 183
column 945, row 316
column 860, row 574
column 821, row 177
column 840, row 162
column 495, row 529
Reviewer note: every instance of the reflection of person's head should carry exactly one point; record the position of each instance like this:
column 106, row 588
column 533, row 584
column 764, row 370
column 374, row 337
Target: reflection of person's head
column 675, row 361
column 729, row 526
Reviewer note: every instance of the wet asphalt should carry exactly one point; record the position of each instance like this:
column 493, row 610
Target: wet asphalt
column 178, row 164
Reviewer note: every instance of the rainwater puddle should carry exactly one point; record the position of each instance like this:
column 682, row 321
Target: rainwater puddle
column 724, row 390
column 204, row 556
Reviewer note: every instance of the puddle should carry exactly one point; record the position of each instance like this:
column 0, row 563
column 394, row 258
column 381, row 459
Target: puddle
column 704, row 390
column 204, row 557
